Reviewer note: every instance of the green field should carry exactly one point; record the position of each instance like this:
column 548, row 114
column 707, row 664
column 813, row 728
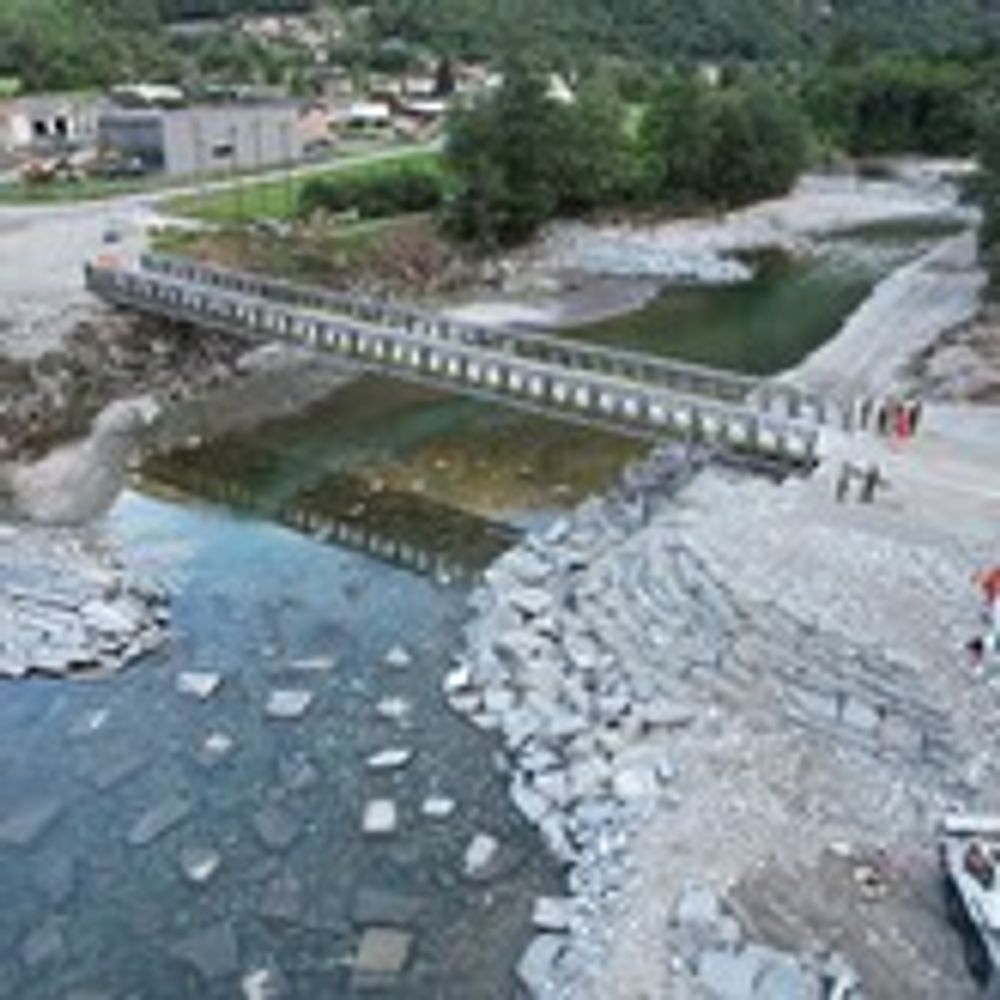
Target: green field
column 278, row 199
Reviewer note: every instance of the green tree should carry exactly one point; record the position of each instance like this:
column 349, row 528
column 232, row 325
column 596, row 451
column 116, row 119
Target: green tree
column 676, row 140
column 724, row 146
column 594, row 157
column 503, row 152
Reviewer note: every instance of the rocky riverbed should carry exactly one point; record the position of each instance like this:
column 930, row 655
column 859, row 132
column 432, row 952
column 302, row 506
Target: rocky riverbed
column 681, row 736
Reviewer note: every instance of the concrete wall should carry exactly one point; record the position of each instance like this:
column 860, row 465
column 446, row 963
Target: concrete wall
column 199, row 140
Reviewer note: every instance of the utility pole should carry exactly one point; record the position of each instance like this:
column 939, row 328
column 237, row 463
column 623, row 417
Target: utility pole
column 258, row 159
column 286, row 152
column 234, row 138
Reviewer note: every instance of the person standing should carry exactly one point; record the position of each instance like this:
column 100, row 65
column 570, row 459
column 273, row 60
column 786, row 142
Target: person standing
column 882, row 418
column 870, row 483
column 843, row 482
column 901, row 425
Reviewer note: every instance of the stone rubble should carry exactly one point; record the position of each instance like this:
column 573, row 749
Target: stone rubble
column 67, row 606
column 567, row 668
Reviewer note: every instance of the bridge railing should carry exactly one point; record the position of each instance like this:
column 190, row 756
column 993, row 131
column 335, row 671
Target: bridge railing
column 730, row 387
column 586, row 396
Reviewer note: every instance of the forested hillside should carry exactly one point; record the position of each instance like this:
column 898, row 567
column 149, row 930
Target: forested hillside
column 73, row 43
column 699, row 28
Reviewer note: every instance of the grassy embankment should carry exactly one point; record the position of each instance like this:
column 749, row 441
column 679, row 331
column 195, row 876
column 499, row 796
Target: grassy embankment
column 374, row 236
column 277, row 200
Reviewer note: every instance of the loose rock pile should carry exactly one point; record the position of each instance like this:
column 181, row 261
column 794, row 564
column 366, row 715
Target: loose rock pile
column 594, row 653
column 588, row 739
column 66, row 606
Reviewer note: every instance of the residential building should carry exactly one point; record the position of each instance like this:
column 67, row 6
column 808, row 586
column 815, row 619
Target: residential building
column 42, row 123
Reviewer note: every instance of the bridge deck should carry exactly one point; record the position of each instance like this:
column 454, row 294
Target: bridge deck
column 766, row 395
column 561, row 387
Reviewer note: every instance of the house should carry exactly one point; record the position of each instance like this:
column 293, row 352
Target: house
column 147, row 95
column 202, row 139
column 365, row 116
column 46, row 123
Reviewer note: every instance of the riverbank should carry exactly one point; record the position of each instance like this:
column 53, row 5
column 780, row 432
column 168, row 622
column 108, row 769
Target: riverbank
column 738, row 714
column 723, row 711
column 582, row 272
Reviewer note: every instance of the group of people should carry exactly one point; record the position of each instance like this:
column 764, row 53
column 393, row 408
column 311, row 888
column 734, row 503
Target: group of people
column 895, row 418
column 870, row 479
column 985, row 648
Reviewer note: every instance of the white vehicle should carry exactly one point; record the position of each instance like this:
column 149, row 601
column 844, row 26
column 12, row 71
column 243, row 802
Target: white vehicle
column 970, row 865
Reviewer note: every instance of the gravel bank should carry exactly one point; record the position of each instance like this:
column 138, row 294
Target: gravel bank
column 682, row 713
column 582, row 272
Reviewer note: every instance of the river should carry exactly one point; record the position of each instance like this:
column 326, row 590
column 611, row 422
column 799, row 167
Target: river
column 298, row 557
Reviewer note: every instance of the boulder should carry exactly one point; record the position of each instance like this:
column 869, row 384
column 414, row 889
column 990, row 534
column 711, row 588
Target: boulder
column 391, row 759
column 199, row 864
column 481, row 858
column 288, row 704
column 552, row 914
column 380, row 818
column 199, row 685
column 438, row 807
column 214, row 951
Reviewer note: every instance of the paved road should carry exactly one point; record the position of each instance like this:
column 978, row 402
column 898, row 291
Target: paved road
column 43, row 249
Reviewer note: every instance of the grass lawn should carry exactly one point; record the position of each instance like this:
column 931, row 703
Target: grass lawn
column 17, row 193
column 278, row 199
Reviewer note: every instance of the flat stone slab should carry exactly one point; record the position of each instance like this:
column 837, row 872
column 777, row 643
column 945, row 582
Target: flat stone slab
column 199, row 685
column 398, row 658
column 112, row 766
column 44, row 946
column 199, row 864
column 381, row 817
column 288, row 704
column 438, row 807
column 552, row 914
column 157, row 821
column 537, row 965
column 390, row 759
column 27, row 822
column 383, row 907
column 283, row 899
column 277, row 827
column 264, row 984
column 393, row 709
column 216, row 747
column 383, row 951
column 214, row 951
column 297, row 773
column 314, row 664
column 481, row 856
